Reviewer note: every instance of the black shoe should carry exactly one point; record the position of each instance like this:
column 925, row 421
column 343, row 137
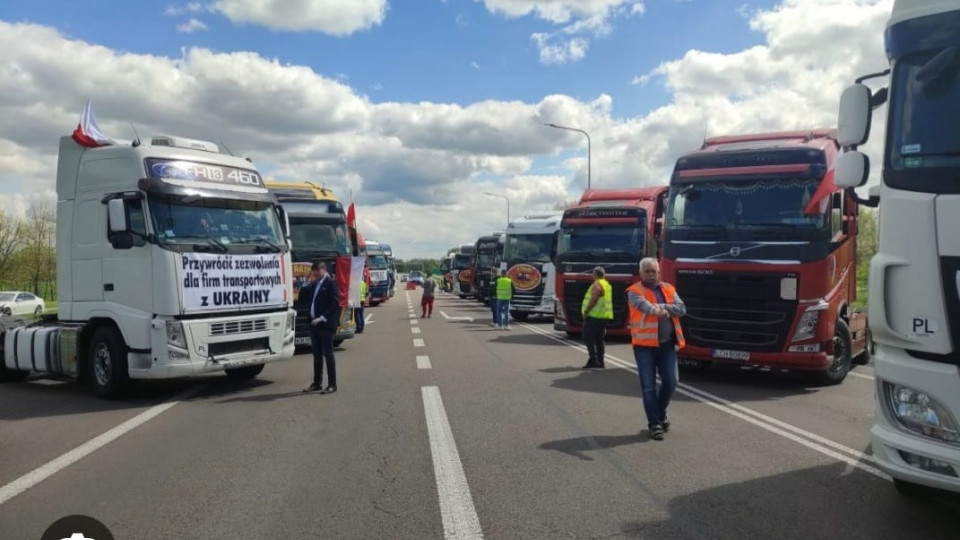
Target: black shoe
column 591, row 365
column 329, row 390
column 666, row 426
column 656, row 432
column 312, row 388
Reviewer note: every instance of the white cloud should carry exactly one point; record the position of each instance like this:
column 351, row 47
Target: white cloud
column 579, row 18
column 559, row 51
column 334, row 17
column 191, row 26
column 417, row 169
column 192, row 7
column 475, row 65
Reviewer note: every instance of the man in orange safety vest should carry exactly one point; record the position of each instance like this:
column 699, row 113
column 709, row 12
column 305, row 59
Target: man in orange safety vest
column 655, row 333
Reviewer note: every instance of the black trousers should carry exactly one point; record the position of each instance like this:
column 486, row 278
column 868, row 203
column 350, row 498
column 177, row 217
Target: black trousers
column 322, row 343
column 594, row 330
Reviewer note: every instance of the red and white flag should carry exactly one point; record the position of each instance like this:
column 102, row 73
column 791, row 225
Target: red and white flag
column 88, row 132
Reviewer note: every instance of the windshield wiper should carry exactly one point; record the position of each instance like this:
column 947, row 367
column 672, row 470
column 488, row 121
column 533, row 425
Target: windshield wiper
column 211, row 242
column 263, row 244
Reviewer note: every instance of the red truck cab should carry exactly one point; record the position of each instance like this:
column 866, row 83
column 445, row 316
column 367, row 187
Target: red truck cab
column 761, row 245
column 613, row 229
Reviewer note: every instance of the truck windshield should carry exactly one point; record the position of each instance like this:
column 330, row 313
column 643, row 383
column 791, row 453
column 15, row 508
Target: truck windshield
column 528, row 248
column 720, row 207
column 179, row 220
column 461, row 262
column 378, row 262
column 602, row 241
column 485, row 259
column 925, row 110
column 312, row 237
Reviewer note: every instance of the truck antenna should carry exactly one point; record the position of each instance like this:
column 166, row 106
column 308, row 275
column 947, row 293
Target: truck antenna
column 136, row 142
column 224, row 145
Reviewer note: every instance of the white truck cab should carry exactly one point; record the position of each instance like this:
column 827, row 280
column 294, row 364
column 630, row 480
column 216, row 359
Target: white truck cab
column 171, row 261
column 529, row 251
column 914, row 306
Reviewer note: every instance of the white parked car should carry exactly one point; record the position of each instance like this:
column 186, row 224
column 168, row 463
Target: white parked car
column 21, row 303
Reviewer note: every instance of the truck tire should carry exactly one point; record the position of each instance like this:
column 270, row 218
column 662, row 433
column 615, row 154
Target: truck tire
column 244, row 373
column 520, row 316
column 864, row 357
column 107, row 362
column 842, row 343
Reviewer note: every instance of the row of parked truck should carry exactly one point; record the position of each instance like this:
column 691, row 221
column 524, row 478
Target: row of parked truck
column 753, row 230
column 174, row 256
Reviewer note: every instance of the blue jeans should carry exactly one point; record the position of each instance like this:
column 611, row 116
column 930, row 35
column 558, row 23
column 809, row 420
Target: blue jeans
column 650, row 361
column 495, row 309
column 503, row 312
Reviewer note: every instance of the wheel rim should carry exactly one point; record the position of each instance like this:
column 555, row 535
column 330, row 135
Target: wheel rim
column 102, row 364
column 839, row 354
column 38, row 311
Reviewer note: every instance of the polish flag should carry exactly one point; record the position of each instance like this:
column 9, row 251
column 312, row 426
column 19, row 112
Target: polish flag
column 88, row 132
column 351, row 216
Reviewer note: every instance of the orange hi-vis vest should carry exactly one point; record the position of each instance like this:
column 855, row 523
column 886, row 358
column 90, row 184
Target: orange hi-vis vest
column 644, row 327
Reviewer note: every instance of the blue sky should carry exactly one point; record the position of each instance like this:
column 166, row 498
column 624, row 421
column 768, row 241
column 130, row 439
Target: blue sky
column 425, row 49
column 419, row 109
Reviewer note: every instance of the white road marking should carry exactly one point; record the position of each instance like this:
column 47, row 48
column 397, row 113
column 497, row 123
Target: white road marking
column 423, row 362
column 415, row 329
column 47, row 470
column 460, row 521
column 860, row 375
column 366, row 320
column 414, row 322
column 418, row 343
column 449, row 318
column 853, row 457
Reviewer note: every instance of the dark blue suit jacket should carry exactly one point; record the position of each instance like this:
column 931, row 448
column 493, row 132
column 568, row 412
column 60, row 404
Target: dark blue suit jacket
column 326, row 304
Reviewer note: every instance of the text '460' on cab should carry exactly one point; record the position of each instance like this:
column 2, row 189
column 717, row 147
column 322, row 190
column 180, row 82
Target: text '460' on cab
column 171, row 262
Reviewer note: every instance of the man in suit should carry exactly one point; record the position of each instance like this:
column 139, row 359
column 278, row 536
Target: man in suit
column 323, row 298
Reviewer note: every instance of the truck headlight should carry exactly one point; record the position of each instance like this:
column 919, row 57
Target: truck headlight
column 558, row 309
column 291, row 320
column 920, row 413
column 175, row 335
column 807, row 327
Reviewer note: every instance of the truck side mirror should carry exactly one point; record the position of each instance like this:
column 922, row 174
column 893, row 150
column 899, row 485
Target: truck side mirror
column 852, row 169
column 853, row 127
column 117, row 212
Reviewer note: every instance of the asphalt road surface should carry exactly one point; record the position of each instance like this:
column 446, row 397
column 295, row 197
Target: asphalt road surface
column 447, row 428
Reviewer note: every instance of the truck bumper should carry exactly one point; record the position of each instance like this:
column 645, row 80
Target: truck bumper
column 893, row 445
column 817, row 361
column 213, row 345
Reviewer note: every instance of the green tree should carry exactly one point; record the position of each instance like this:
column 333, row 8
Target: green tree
column 868, row 237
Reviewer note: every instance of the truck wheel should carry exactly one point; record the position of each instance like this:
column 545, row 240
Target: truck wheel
column 244, row 373
column 107, row 361
column 864, row 357
column 842, row 343
column 520, row 316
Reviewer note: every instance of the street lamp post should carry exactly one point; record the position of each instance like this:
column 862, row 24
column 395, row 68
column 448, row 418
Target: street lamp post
column 504, row 197
column 589, row 152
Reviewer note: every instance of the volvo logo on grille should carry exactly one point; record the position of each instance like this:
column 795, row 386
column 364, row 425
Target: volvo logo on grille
column 735, row 251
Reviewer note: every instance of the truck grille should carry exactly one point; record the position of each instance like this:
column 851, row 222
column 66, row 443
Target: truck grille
column 741, row 311
column 237, row 327
column 574, row 291
column 234, row 347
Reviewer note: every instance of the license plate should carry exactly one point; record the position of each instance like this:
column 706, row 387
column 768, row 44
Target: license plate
column 301, row 341
column 731, row 355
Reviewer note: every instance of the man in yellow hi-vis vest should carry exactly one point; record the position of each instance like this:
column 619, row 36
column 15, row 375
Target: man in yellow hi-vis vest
column 656, row 335
column 358, row 311
column 504, row 295
column 597, row 310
